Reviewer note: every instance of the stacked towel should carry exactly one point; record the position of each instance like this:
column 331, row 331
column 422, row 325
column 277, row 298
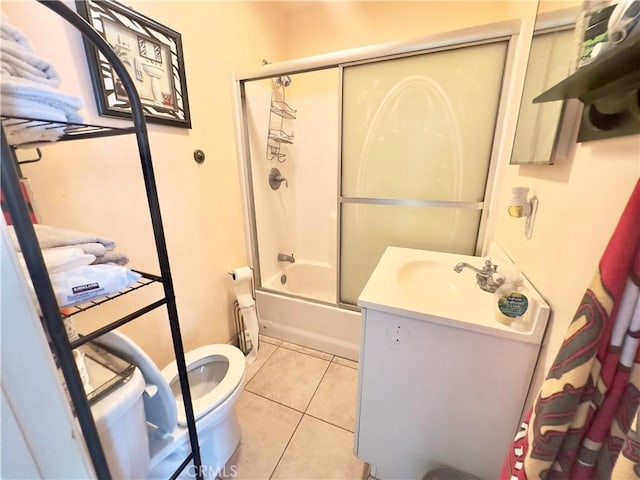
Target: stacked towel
column 18, row 61
column 28, row 89
column 64, row 258
column 51, row 239
column 81, row 266
column 11, row 34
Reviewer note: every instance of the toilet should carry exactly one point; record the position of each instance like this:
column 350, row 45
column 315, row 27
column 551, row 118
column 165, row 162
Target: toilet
column 142, row 423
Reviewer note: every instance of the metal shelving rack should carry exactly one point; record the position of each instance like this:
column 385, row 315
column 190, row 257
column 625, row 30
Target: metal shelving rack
column 52, row 319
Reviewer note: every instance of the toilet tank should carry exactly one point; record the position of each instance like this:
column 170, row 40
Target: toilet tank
column 120, row 421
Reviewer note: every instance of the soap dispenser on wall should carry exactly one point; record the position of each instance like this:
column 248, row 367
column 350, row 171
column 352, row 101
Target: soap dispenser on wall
column 521, row 207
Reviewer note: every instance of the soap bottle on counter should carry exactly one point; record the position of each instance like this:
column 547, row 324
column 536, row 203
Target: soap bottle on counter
column 512, row 302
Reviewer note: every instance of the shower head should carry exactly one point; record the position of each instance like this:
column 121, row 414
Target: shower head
column 284, row 80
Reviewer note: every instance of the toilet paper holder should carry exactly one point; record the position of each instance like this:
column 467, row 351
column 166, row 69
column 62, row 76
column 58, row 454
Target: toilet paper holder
column 245, row 310
column 239, row 275
column 233, row 274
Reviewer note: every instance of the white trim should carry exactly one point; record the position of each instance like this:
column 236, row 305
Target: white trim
column 31, row 386
column 508, row 116
column 244, row 176
column 17, row 458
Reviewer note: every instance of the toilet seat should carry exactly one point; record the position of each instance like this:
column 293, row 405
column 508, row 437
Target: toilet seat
column 162, row 408
column 158, row 428
column 159, row 402
column 230, row 382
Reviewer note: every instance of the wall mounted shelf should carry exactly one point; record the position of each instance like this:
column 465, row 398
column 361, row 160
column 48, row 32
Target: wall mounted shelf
column 609, row 87
column 606, row 74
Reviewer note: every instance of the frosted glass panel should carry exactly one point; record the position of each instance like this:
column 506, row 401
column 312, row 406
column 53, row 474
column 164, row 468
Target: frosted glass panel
column 368, row 229
column 421, row 127
column 416, row 128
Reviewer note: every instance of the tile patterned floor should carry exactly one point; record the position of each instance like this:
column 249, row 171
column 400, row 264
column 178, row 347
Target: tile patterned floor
column 297, row 416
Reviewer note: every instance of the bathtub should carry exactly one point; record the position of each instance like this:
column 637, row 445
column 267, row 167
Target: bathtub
column 312, row 280
column 306, row 321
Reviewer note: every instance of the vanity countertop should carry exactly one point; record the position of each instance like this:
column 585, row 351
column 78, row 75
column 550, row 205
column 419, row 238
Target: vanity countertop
column 422, row 284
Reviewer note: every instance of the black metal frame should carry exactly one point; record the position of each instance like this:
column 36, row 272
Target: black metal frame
column 72, row 131
column 51, row 316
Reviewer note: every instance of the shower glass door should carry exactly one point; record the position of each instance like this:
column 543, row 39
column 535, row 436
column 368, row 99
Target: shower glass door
column 295, row 217
column 417, row 137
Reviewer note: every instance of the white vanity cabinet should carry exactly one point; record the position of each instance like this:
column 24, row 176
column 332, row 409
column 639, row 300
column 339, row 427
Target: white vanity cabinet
column 436, row 391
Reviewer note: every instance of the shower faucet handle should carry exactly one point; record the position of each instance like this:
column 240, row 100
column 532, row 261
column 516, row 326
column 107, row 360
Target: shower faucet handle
column 275, row 179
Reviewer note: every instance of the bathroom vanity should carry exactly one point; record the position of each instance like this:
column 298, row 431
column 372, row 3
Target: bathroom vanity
column 441, row 382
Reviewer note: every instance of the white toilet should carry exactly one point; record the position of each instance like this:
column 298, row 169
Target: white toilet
column 142, row 424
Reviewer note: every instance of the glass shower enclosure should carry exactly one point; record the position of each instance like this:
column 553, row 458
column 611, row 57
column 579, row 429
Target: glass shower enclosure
column 293, row 145
column 344, row 159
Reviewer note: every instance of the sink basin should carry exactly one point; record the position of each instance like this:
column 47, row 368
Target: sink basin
column 437, row 279
column 434, row 286
column 423, row 284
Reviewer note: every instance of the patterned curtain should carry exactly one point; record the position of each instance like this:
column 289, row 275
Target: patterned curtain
column 584, row 423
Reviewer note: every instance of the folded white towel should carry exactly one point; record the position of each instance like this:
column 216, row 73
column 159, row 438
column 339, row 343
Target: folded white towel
column 17, row 61
column 93, row 248
column 10, row 33
column 62, row 258
column 65, row 258
column 19, row 132
column 23, row 89
column 51, row 237
column 27, row 89
column 23, row 98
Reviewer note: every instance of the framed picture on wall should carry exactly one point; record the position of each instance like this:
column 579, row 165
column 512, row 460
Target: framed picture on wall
column 151, row 53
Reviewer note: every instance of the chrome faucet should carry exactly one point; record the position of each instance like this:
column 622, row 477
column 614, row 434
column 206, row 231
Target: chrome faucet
column 283, row 257
column 484, row 277
column 275, row 179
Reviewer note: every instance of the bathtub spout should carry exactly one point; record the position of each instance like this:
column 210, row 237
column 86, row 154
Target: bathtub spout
column 283, row 257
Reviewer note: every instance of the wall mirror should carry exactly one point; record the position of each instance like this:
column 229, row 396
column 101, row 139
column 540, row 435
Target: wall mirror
column 544, row 130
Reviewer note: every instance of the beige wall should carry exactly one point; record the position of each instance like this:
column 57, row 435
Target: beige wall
column 95, row 185
column 580, row 198
column 580, row 201
column 321, row 27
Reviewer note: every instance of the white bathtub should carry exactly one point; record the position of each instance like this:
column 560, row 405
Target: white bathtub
column 313, row 280
column 305, row 322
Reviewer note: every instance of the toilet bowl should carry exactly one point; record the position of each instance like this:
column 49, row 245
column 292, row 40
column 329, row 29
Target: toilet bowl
column 216, row 377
